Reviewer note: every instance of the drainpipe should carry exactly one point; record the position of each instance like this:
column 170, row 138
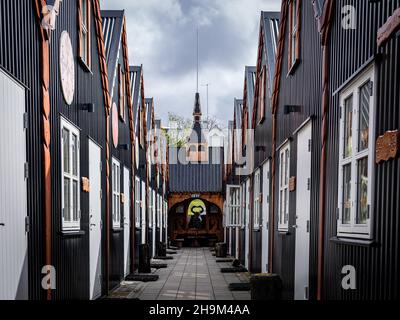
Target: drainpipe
column 325, row 31
column 273, row 186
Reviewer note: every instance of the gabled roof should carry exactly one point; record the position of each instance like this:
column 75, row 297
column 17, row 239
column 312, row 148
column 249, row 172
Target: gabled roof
column 238, row 109
column 135, row 73
column 149, row 105
column 113, row 23
column 250, row 82
column 270, row 25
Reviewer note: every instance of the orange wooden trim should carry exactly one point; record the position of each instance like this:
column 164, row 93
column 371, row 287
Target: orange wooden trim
column 80, row 36
column 298, row 31
column 46, row 132
column 89, row 37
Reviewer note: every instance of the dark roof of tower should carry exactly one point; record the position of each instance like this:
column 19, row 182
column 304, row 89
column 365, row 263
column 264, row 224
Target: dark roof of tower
column 197, row 105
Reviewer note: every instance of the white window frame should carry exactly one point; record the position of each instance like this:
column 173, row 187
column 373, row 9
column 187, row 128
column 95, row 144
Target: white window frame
column 158, row 215
column 257, row 200
column 363, row 231
column 138, row 209
column 85, row 29
column 284, row 176
column 71, row 224
column 233, row 206
column 116, row 193
column 143, row 204
column 243, row 205
column 166, row 214
column 151, row 207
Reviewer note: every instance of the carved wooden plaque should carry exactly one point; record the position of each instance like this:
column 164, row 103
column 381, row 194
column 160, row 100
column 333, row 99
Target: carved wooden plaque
column 391, row 26
column 67, row 68
column 122, row 198
column 114, row 119
column 292, row 184
column 85, row 185
column 387, row 146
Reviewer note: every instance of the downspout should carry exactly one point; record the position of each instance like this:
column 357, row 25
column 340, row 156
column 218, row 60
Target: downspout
column 326, row 27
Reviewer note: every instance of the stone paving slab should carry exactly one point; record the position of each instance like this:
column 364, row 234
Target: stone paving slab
column 193, row 274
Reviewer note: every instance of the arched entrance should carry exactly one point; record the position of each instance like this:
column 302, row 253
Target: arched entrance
column 195, row 222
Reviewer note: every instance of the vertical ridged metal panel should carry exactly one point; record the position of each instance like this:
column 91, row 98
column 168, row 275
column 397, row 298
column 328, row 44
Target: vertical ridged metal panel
column 377, row 266
column 19, row 57
column 302, row 88
column 70, row 253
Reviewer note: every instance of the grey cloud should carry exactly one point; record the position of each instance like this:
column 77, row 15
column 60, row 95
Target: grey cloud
column 162, row 37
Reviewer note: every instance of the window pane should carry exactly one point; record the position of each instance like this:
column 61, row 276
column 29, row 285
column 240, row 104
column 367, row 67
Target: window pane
column 364, row 117
column 75, row 200
column 74, row 147
column 287, row 162
column 65, row 137
column 67, row 199
column 286, row 205
column 84, row 11
column 346, row 210
column 362, row 192
column 348, row 130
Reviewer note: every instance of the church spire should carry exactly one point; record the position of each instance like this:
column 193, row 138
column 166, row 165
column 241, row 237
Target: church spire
column 197, row 109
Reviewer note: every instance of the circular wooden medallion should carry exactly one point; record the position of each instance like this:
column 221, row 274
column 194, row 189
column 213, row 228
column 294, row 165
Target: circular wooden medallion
column 114, row 115
column 67, row 68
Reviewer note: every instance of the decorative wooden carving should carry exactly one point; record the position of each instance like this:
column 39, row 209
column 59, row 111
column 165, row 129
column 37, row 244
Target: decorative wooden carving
column 115, row 123
column 389, row 28
column 292, row 184
column 122, row 198
column 387, row 146
column 85, row 185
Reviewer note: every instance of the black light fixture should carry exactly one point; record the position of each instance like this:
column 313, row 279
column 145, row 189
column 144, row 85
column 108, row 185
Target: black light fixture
column 291, row 109
column 123, row 146
column 260, row 148
column 89, row 107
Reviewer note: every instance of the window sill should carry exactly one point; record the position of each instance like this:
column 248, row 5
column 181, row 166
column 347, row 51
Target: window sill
column 117, row 230
column 284, row 232
column 77, row 233
column 354, row 242
column 85, row 66
column 293, row 68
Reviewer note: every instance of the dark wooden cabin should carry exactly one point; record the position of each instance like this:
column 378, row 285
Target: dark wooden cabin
column 56, row 66
column 361, row 198
column 121, row 146
column 20, row 77
column 137, row 84
column 151, row 173
column 246, row 163
column 296, row 152
column 261, row 124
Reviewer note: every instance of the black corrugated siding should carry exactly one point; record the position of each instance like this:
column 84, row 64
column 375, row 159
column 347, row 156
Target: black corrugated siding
column 302, row 88
column 377, row 267
column 71, row 254
column 19, row 57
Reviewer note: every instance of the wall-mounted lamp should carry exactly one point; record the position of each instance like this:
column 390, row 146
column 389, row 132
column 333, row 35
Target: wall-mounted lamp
column 291, row 109
column 89, row 107
column 123, row 146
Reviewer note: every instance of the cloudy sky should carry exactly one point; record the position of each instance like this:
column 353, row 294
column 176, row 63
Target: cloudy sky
column 162, row 37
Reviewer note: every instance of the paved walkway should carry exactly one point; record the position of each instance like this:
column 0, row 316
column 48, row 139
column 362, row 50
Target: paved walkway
column 194, row 274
